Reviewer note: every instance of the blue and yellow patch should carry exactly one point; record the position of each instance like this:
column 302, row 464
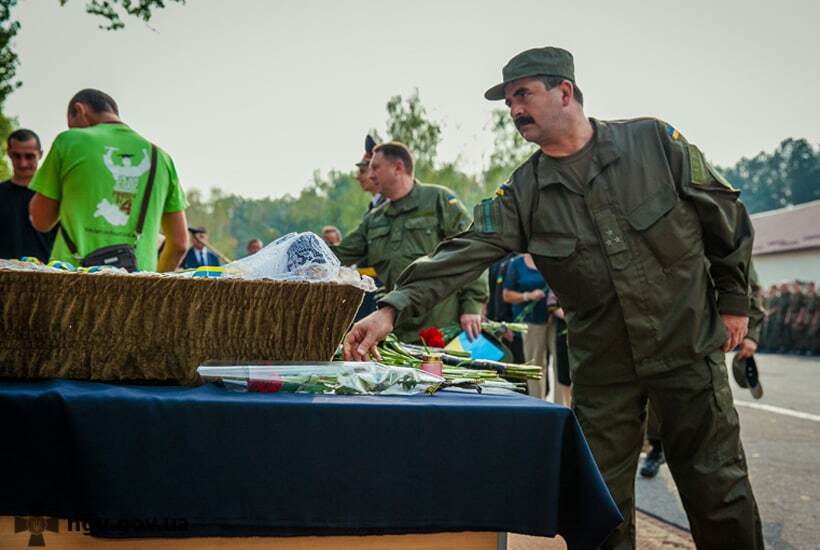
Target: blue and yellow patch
column 452, row 199
column 673, row 133
column 65, row 266
column 502, row 190
column 209, row 271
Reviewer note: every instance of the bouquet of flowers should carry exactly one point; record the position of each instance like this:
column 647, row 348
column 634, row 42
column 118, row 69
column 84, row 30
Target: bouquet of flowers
column 333, row 377
column 459, row 366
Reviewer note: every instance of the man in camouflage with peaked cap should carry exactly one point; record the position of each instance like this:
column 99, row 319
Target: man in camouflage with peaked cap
column 648, row 250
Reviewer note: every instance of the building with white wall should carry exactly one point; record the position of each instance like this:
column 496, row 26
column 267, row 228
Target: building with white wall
column 787, row 244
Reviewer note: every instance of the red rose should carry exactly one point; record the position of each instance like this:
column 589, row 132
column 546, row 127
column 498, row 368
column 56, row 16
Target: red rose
column 432, row 337
column 265, row 385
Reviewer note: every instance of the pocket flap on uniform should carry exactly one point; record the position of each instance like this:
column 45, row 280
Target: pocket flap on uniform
column 552, row 246
column 652, row 209
column 424, row 222
column 379, row 231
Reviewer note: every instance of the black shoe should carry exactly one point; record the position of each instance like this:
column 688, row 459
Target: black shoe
column 652, row 462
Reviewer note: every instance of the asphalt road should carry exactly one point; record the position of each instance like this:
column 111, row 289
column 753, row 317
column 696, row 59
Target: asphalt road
column 781, row 436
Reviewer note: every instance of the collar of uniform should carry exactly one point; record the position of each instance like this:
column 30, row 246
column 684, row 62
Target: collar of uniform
column 406, row 203
column 604, row 153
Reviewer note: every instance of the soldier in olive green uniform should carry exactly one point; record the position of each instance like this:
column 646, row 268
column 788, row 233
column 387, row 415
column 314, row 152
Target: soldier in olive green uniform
column 757, row 307
column 790, row 324
column 800, row 325
column 397, row 232
column 778, row 320
column 814, row 328
column 647, row 248
column 808, row 334
column 768, row 319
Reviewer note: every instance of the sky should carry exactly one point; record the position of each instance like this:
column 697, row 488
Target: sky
column 254, row 96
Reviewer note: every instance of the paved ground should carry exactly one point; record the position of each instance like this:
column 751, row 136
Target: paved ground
column 783, row 450
column 781, row 435
column 652, row 535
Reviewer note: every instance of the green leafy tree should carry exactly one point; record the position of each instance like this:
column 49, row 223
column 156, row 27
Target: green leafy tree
column 788, row 175
column 408, row 123
column 111, row 11
column 8, row 57
column 215, row 214
column 509, row 148
column 7, row 126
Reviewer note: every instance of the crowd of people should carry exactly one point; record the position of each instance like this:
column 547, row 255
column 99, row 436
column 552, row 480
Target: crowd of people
column 646, row 248
column 792, row 320
column 104, row 195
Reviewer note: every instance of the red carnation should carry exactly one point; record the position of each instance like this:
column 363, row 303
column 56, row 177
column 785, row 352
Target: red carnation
column 432, row 337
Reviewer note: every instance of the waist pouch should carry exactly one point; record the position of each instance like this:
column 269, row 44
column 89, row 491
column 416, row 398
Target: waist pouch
column 116, row 255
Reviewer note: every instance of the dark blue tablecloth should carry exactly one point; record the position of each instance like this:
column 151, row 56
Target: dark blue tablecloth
column 284, row 464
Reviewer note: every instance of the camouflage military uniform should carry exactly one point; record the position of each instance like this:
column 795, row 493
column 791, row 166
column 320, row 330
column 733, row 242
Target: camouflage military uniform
column 394, row 234
column 644, row 255
column 803, row 333
column 778, row 317
column 791, row 330
column 814, row 330
column 768, row 322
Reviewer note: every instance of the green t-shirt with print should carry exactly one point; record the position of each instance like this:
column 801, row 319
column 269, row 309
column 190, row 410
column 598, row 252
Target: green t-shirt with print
column 99, row 176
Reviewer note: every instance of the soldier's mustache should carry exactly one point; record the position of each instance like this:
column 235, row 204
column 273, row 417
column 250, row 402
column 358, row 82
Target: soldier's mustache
column 522, row 120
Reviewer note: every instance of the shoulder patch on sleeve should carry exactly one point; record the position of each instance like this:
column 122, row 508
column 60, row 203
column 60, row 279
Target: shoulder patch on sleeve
column 452, row 199
column 673, row 133
column 486, row 217
column 697, row 166
column 703, row 173
column 502, row 189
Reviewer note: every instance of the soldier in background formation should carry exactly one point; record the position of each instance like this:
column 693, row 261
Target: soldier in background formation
column 792, row 322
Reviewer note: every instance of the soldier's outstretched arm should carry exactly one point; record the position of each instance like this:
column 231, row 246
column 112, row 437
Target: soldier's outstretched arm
column 500, row 227
column 725, row 224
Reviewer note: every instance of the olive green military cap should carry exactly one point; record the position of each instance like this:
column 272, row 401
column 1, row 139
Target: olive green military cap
column 547, row 61
column 746, row 375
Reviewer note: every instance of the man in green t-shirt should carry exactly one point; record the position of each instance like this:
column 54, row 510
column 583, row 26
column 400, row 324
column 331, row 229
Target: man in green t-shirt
column 93, row 183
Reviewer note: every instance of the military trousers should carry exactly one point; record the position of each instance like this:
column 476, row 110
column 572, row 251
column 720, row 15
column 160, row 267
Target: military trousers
column 653, row 425
column 701, row 440
column 539, row 346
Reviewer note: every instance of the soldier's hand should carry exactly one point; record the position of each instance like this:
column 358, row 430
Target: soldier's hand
column 471, row 324
column 747, row 348
column 738, row 326
column 365, row 335
column 537, row 295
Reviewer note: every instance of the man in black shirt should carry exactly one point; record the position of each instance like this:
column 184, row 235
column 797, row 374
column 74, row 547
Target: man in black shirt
column 17, row 237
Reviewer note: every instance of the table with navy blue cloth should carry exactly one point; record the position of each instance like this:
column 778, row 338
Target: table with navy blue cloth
column 237, row 464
